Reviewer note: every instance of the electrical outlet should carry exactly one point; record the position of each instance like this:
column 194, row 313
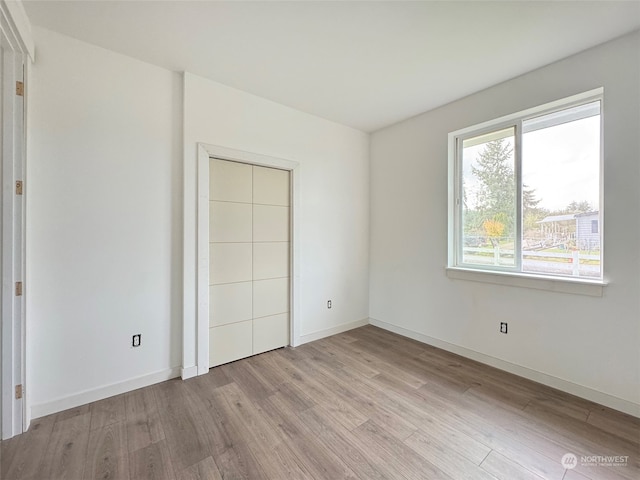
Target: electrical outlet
column 137, row 340
column 503, row 327
column 328, row 303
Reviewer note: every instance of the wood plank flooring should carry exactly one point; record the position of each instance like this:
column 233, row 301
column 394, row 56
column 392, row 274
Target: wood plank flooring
column 366, row 404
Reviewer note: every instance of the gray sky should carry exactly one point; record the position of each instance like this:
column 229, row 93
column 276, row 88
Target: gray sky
column 561, row 163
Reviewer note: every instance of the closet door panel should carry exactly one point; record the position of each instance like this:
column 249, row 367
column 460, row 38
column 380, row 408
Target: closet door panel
column 230, row 181
column 230, row 263
column 270, row 332
column 230, row 303
column 230, row 222
column 270, row 186
column 270, row 223
column 230, row 342
column 270, row 297
column 270, row 260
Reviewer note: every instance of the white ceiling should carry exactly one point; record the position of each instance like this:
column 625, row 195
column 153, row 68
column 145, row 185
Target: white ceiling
column 362, row 64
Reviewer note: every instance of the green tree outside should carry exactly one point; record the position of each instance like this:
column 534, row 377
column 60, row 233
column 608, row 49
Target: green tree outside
column 495, row 199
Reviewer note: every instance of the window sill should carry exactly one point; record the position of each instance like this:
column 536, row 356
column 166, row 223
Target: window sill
column 593, row 288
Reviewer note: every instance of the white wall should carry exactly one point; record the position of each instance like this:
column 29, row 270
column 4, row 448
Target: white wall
column 587, row 344
column 105, row 214
column 104, row 247
column 334, row 197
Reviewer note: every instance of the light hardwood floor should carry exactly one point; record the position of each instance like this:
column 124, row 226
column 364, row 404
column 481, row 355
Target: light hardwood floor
column 366, row 404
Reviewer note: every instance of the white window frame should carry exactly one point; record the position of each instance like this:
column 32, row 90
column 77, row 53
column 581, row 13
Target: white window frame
column 513, row 275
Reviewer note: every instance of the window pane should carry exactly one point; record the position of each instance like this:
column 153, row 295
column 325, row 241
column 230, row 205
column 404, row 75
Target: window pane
column 561, row 192
column 489, row 199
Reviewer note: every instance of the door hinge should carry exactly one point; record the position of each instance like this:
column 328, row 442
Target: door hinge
column 18, row 392
column 20, row 89
column 18, row 289
column 18, row 187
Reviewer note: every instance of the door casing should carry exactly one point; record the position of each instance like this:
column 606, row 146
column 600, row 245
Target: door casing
column 200, row 348
column 17, row 50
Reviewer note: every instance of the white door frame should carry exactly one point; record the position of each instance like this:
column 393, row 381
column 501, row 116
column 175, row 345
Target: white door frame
column 205, row 152
column 17, row 50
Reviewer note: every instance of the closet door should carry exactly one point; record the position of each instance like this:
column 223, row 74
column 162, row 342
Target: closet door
column 249, row 260
column 271, row 252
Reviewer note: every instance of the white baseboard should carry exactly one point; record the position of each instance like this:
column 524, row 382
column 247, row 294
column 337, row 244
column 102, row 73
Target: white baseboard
column 88, row 396
column 310, row 337
column 573, row 388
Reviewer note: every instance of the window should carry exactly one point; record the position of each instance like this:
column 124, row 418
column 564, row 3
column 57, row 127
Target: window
column 525, row 192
